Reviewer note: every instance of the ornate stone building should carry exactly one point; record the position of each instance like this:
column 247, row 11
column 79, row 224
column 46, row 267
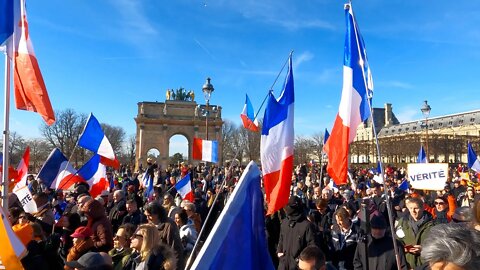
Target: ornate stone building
column 444, row 138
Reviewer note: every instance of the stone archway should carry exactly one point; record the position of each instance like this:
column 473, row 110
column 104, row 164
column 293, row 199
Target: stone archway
column 157, row 122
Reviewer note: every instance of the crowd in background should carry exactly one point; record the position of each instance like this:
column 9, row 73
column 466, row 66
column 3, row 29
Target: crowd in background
column 346, row 227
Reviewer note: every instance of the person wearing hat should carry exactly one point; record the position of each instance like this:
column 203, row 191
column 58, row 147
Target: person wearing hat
column 82, row 243
column 381, row 254
column 469, row 198
column 296, row 233
column 89, row 261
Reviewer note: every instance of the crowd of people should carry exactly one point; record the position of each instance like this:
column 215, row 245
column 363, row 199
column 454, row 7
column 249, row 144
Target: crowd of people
column 321, row 227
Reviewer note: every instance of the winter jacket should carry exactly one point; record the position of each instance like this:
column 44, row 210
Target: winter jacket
column 381, row 255
column 295, row 235
column 81, row 247
column 136, row 218
column 410, row 238
column 170, row 236
column 156, row 259
column 120, row 258
column 101, row 227
column 452, row 205
column 117, row 213
column 34, row 259
column 343, row 246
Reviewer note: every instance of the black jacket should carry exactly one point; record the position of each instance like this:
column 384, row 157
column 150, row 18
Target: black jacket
column 381, row 255
column 295, row 235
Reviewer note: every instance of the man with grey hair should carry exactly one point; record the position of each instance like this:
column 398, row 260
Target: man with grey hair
column 118, row 210
column 452, row 246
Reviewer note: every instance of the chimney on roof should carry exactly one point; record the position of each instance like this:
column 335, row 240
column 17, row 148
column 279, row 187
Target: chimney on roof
column 388, row 115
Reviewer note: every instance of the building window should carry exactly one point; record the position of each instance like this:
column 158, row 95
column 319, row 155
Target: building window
column 450, row 123
column 461, row 121
column 472, row 119
column 407, row 129
column 440, row 124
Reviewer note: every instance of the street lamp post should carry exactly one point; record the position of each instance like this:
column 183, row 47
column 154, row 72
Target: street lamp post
column 207, row 90
column 426, row 112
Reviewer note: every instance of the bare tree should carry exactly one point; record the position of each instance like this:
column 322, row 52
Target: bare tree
column 317, row 144
column 303, row 147
column 39, row 151
column 16, row 147
column 231, row 142
column 64, row 133
column 128, row 156
column 115, row 135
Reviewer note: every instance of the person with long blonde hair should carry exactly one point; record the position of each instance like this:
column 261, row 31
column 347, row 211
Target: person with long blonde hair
column 149, row 253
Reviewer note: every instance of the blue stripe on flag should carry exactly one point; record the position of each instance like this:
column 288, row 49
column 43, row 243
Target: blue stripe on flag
column 92, row 135
column 183, row 182
column 6, row 20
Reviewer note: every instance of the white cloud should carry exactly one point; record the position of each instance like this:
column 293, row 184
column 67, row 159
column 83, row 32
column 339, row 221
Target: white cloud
column 407, row 114
column 301, row 58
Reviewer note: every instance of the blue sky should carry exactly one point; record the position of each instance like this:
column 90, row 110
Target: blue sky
column 105, row 56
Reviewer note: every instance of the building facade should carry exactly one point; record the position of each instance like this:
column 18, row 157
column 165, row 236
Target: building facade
column 444, row 138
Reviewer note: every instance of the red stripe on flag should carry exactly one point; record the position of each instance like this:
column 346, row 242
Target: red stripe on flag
column 337, row 147
column 248, row 123
column 197, row 149
column 277, row 186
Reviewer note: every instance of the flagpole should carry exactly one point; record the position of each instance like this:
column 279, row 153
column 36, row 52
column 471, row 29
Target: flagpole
column 6, row 132
column 369, row 96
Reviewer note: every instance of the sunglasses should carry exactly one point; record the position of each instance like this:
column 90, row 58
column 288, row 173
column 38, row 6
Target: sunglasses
column 117, row 236
column 137, row 235
column 439, row 203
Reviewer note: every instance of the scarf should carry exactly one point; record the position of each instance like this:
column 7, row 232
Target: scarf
column 441, row 217
column 415, row 225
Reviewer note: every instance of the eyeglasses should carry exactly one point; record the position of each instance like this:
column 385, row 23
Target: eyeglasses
column 117, row 236
column 22, row 216
column 439, row 203
column 137, row 235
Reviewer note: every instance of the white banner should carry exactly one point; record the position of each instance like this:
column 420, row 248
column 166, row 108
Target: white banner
column 428, row 176
column 26, row 199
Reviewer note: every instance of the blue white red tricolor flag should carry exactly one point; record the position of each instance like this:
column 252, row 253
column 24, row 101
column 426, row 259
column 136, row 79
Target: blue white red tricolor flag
column 276, row 145
column 95, row 174
column 473, row 161
column 205, row 150
column 184, row 188
column 238, row 239
column 422, row 157
column 93, row 139
column 22, row 168
column 248, row 116
column 354, row 105
column 57, row 172
column 30, row 90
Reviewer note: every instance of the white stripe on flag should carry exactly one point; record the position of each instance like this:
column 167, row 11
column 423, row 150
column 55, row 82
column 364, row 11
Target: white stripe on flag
column 207, row 150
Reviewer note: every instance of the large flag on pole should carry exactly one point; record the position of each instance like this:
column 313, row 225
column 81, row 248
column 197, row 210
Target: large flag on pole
column 276, row 146
column 6, row 20
column 238, row 240
column 184, row 188
column 422, row 157
column 248, row 116
column 93, row 139
column 473, row 161
column 12, row 248
column 30, row 90
column 57, row 172
column 354, row 107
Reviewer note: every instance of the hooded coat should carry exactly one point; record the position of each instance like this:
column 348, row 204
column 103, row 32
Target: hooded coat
column 101, row 227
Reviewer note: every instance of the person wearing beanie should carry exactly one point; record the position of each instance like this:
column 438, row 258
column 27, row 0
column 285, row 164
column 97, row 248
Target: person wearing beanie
column 82, row 243
column 296, row 233
column 381, row 254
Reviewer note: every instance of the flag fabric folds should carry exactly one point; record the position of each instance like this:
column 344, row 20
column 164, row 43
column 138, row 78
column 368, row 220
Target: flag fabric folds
column 30, row 90
column 403, row 186
column 248, row 116
column 22, row 168
column 184, row 188
column 205, row 150
column 57, row 172
column 12, row 248
column 95, row 174
column 93, row 139
column 276, row 145
column 325, row 136
column 422, row 157
column 354, row 107
column 148, row 184
column 6, row 20
column 473, row 161
column 238, row 240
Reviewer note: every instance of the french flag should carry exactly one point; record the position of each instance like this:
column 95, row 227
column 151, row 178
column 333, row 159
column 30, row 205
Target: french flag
column 57, row 172
column 6, row 20
column 30, row 90
column 248, row 115
column 148, row 185
column 205, row 150
column 184, row 188
column 473, row 161
column 93, row 139
column 238, row 239
column 354, row 105
column 422, row 157
column 95, row 174
column 276, row 145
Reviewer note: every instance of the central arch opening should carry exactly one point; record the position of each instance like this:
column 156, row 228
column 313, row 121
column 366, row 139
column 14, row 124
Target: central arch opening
column 178, row 149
